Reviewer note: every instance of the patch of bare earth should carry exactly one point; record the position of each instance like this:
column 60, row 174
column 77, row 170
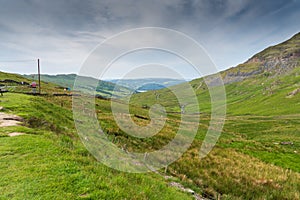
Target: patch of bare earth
column 9, row 120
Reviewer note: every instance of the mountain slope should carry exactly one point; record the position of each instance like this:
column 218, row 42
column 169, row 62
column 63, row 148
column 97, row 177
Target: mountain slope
column 273, row 61
column 262, row 122
column 265, row 84
column 147, row 83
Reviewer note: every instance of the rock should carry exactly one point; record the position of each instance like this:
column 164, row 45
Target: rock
column 190, row 191
column 286, row 143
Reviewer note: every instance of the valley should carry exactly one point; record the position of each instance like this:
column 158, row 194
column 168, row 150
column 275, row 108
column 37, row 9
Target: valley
column 256, row 157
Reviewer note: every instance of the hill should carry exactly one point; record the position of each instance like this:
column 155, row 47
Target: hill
column 20, row 84
column 263, row 96
column 42, row 157
column 104, row 88
column 147, row 84
column 273, row 61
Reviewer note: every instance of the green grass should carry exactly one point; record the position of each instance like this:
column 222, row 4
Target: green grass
column 249, row 162
column 46, row 87
column 39, row 167
column 51, row 163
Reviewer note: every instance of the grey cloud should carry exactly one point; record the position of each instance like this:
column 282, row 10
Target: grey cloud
column 64, row 31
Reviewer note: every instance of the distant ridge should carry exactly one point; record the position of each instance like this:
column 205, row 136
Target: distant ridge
column 147, row 84
column 104, row 88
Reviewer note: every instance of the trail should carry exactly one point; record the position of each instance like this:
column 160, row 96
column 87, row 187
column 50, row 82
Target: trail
column 7, row 120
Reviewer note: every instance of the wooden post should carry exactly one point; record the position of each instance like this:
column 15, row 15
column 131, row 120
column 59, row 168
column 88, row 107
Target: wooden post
column 39, row 75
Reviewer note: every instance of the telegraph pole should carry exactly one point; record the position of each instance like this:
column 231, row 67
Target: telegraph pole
column 39, row 75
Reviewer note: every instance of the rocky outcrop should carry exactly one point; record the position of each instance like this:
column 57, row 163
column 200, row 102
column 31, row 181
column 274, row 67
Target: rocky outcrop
column 273, row 61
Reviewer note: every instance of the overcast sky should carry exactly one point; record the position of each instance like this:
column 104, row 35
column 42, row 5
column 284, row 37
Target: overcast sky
column 62, row 33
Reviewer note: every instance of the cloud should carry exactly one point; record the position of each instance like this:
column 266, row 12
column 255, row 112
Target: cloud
column 63, row 32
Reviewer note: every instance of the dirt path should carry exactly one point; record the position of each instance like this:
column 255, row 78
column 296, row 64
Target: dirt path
column 9, row 120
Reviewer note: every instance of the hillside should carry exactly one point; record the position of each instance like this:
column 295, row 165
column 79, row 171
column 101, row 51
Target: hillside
column 147, row 83
column 254, row 87
column 43, row 158
column 262, row 123
column 273, row 61
column 13, row 83
column 104, row 88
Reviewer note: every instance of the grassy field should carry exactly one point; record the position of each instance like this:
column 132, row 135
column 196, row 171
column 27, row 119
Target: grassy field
column 248, row 161
column 49, row 162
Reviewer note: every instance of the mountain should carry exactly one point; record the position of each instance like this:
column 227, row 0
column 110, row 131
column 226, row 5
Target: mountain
column 273, row 61
column 150, row 86
column 269, row 78
column 147, row 83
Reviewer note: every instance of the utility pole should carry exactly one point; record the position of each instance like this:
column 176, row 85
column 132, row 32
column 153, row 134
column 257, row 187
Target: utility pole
column 39, row 74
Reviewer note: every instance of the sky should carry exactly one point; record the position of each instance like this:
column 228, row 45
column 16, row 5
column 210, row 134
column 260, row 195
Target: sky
column 63, row 33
